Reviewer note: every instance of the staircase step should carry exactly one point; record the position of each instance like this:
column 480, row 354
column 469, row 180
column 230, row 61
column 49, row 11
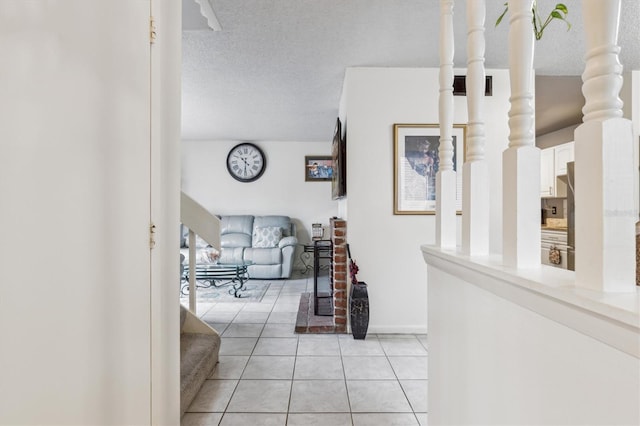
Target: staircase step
column 199, row 348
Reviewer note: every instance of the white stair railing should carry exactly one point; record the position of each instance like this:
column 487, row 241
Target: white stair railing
column 446, row 179
column 475, row 172
column 521, row 160
column 605, row 211
column 203, row 223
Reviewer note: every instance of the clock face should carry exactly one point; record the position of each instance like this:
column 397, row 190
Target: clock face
column 246, row 162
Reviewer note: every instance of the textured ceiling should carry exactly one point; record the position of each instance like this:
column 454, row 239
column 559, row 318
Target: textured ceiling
column 276, row 69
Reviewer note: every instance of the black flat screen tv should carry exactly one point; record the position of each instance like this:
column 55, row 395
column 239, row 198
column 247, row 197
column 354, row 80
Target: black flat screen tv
column 339, row 157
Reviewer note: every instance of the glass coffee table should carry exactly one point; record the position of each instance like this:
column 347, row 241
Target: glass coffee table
column 219, row 275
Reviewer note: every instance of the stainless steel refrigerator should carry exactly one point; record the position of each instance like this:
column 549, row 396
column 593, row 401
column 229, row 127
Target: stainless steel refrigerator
column 571, row 219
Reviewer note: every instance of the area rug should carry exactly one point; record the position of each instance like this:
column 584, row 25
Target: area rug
column 253, row 291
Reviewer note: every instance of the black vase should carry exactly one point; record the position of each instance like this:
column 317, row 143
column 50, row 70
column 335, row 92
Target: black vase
column 359, row 310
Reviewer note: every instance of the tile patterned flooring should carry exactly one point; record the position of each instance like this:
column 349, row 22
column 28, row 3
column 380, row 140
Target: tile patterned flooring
column 269, row 375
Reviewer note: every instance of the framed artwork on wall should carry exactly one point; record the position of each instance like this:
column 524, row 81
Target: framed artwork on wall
column 416, row 161
column 318, row 168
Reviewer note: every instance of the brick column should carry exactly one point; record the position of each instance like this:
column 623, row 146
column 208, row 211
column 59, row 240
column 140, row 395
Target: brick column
column 339, row 273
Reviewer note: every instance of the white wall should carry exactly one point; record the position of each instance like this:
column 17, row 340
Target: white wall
column 495, row 362
column 75, row 286
column 556, row 138
column 386, row 246
column 282, row 189
column 165, row 213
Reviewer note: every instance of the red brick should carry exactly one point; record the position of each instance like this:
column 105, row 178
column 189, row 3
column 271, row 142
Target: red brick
column 339, row 276
column 339, row 232
column 341, row 320
column 339, row 241
column 340, row 267
column 340, row 285
column 322, row 328
column 341, row 329
column 340, row 258
column 339, row 251
column 341, row 303
column 340, row 312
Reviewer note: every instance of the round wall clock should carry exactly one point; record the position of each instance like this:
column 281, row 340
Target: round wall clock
column 246, row 162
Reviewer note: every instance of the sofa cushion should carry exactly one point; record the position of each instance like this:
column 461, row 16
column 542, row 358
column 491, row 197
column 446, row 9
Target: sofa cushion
column 232, row 255
column 235, row 231
column 265, row 272
column 267, row 236
column 263, row 256
column 288, row 241
column 283, row 222
column 236, row 224
column 235, row 240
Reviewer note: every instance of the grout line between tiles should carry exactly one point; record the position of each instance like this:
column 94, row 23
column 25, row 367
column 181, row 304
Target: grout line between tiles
column 283, row 297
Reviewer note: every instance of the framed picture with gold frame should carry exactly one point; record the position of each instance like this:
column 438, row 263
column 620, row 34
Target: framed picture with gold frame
column 416, row 161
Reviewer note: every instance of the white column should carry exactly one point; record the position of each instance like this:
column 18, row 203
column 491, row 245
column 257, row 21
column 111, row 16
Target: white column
column 475, row 184
column 521, row 160
column 605, row 210
column 446, row 176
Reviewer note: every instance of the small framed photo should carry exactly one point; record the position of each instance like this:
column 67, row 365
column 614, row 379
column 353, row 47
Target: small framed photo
column 416, row 163
column 318, row 168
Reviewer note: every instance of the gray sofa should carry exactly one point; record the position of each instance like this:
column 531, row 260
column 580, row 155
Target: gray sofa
column 268, row 242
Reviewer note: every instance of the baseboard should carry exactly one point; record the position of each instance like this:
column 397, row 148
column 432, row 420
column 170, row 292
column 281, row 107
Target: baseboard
column 398, row 329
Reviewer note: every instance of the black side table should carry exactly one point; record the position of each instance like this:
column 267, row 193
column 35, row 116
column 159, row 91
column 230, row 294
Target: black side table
column 322, row 253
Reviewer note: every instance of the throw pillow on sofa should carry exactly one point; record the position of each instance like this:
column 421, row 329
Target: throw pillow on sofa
column 267, row 237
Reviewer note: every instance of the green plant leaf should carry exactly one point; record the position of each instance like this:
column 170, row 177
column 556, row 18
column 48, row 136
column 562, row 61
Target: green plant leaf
column 559, row 12
column 503, row 14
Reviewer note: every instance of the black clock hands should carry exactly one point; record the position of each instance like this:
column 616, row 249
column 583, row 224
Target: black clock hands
column 244, row 160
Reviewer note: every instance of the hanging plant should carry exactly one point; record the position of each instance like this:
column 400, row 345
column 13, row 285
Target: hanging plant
column 559, row 12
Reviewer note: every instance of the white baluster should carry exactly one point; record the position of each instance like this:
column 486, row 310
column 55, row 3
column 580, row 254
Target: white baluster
column 192, row 271
column 475, row 186
column 602, row 77
column 446, row 176
column 521, row 73
column 521, row 161
column 605, row 212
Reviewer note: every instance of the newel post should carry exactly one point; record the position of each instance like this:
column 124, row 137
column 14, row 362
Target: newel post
column 475, row 175
column 446, row 176
column 521, row 160
column 605, row 213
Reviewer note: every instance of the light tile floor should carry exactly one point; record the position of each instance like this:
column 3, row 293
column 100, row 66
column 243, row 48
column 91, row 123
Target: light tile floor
column 269, row 375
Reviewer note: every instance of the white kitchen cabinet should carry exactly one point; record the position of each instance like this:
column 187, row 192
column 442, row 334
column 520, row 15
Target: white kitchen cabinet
column 547, row 173
column 553, row 163
column 554, row 240
column 563, row 155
